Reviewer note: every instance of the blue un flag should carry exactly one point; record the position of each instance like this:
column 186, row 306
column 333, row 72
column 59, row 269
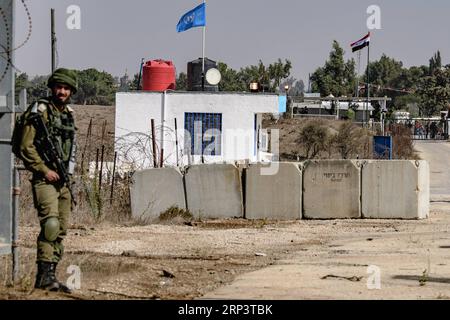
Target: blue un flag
column 194, row 18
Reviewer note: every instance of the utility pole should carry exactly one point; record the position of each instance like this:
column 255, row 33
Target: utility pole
column 203, row 54
column 368, row 84
column 309, row 82
column 53, row 39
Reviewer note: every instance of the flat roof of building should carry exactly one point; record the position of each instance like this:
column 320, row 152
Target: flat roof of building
column 204, row 92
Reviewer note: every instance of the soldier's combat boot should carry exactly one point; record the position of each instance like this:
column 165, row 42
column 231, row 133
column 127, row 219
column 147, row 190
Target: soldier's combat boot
column 46, row 278
column 40, row 273
column 62, row 287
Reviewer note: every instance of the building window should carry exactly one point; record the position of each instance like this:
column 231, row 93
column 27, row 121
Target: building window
column 203, row 133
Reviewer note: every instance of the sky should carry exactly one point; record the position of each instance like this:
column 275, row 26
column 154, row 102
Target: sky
column 115, row 34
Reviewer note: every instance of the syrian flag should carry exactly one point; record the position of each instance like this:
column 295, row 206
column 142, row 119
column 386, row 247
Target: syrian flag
column 358, row 45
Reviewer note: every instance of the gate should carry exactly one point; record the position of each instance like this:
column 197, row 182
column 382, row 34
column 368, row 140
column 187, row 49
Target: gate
column 429, row 128
column 433, row 129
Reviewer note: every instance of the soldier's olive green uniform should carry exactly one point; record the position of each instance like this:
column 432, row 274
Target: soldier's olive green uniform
column 52, row 200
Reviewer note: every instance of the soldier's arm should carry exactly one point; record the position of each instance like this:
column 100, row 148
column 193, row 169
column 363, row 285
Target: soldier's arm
column 29, row 153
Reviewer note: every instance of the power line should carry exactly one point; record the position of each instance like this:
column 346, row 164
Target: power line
column 411, row 91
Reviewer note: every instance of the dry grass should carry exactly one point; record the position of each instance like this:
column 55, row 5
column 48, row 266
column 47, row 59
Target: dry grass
column 174, row 213
column 300, row 140
column 403, row 145
column 99, row 266
column 339, row 139
column 95, row 129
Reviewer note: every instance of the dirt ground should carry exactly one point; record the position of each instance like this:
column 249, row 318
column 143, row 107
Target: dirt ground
column 119, row 262
column 411, row 260
column 203, row 259
column 237, row 258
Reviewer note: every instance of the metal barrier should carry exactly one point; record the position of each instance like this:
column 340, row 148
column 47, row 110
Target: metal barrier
column 424, row 129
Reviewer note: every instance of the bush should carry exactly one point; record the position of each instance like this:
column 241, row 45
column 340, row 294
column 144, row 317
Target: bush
column 313, row 137
column 403, row 145
column 350, row 140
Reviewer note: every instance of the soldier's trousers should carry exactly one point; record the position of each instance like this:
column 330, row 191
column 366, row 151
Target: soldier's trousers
column 51, row 200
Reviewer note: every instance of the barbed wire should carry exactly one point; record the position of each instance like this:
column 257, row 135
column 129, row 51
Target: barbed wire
column 7, row 49
column 135, row 148
column 8, row 60
column 30, row 28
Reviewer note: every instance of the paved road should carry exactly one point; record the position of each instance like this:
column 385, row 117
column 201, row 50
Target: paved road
column 413, row 257
column 438, row 155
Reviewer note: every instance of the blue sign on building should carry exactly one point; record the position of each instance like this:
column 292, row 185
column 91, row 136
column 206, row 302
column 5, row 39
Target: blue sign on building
column 382, row 147
column 282, row 102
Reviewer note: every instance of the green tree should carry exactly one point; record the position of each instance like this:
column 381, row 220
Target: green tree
column 277, row 72
column 402, row 102
column 351, row 114
column 124, row 83
column 435, row 62
column 95, row 87
column 230, row 81
column 181, row 82
column 296, row 87
column 268, row 77
column 434, row 92
column 255, row 73
column 389, row 78
column 409, row 78
column 134, row 84
column 38, row 87
column 336, row 77
column 385, row 71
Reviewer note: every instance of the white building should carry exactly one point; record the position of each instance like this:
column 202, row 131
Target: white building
column 340, row 109
column 402, row 116
column 211, row 127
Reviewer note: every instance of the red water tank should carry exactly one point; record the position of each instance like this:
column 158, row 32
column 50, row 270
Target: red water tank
column 158, row 75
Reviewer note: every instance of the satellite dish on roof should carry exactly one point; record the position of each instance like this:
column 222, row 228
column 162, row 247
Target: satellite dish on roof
column 213, row 76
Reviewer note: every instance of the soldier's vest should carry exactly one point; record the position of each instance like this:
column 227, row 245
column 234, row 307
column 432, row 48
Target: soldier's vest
column 61, row 125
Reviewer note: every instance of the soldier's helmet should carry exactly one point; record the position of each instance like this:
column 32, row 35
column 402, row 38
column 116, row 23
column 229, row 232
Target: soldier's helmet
column 64, row 76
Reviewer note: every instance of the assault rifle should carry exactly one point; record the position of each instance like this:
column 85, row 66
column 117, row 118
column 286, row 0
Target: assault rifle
column 50, row 151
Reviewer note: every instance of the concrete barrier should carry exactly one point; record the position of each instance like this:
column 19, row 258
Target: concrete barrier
column 214, row 191
column 396, row 190
column 277, row 196
column 153, row 191
column 332, row 189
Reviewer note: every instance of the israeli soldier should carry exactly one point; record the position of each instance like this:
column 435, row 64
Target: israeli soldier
column 52, row 198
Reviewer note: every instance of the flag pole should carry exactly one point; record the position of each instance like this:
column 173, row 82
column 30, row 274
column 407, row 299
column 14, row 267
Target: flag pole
column 368, row 79
column 359, row 71
column 203, row 54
